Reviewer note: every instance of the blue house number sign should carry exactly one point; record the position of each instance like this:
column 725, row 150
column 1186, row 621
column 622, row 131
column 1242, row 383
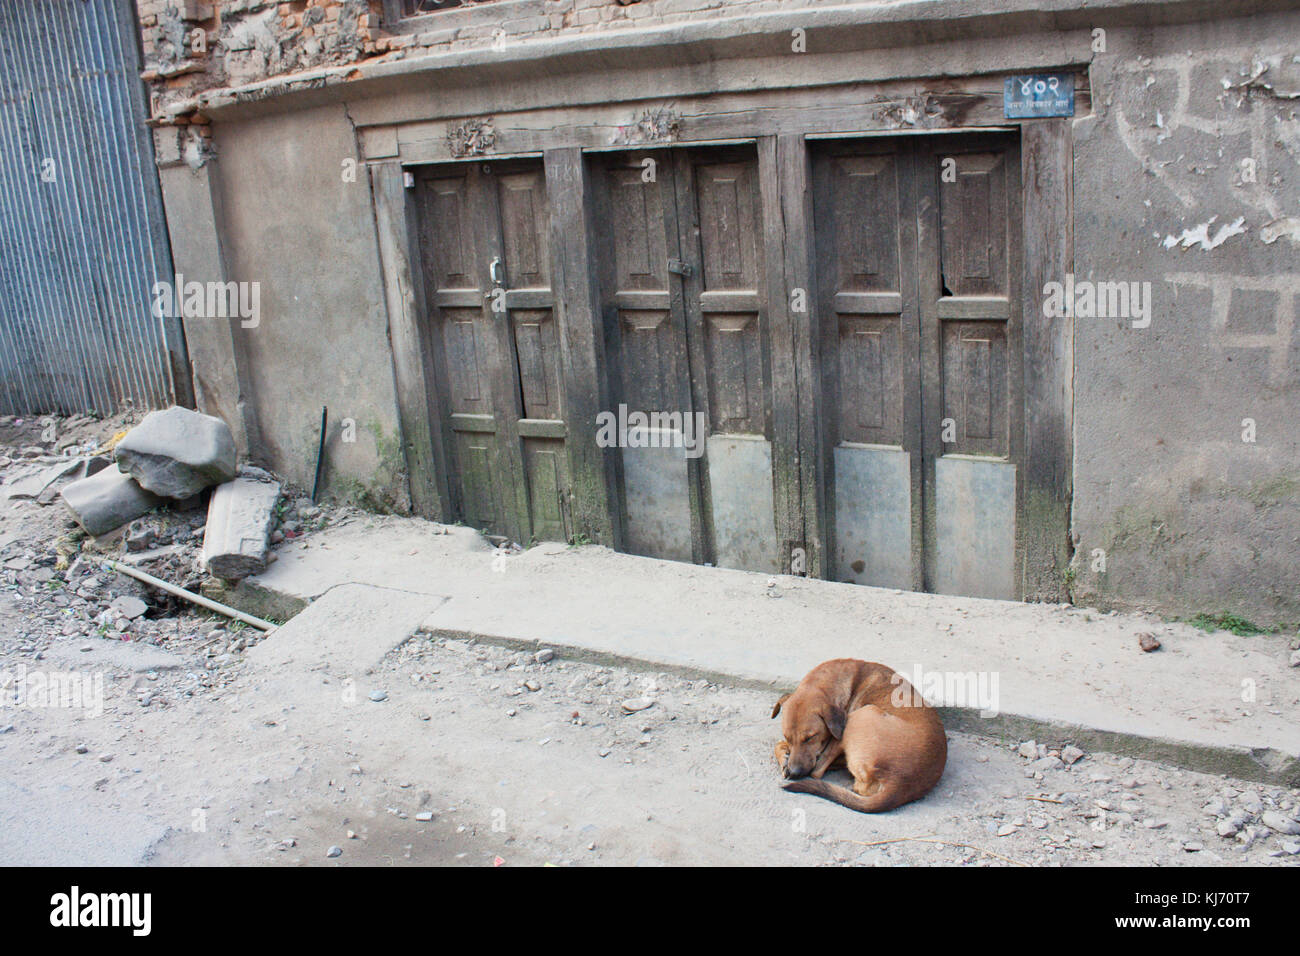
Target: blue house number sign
column 1028, row 97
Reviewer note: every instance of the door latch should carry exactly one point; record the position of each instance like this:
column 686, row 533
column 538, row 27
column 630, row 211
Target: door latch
column 678, row 267
column 495, row 271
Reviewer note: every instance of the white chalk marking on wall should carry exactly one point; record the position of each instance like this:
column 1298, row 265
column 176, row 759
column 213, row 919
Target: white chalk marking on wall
column 1142, row 139
column 1278, row 343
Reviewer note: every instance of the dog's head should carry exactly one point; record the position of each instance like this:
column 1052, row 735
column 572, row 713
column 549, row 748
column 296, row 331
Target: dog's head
column 809, row 722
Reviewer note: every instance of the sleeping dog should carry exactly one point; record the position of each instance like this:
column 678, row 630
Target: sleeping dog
column 866, row 717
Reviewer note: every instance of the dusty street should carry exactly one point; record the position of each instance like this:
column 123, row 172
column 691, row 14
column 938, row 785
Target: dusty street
column 178, row 747
column 461, row 762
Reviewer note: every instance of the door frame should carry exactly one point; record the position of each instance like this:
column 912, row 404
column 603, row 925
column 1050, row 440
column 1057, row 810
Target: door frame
column 1046, row 241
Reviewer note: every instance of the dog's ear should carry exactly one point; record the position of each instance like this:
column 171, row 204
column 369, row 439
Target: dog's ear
column 834, row 720
column 776, row 708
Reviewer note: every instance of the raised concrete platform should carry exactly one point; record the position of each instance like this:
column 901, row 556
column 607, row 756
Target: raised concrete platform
column 1209, row 702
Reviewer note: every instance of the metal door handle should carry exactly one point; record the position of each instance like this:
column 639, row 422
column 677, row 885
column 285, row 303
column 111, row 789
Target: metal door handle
column 495, row 271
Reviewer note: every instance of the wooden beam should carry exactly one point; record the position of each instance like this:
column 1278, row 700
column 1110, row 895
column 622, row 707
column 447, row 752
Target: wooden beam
column 1047, row 171
column 582, row 344
column 849, row 109
column 394, row 217
column 785, row 180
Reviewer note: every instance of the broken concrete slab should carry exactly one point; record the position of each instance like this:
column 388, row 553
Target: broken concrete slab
column 177, row 453
column 107, row 500
column 83, row 653
column 143, row 557
column 346, row 631
column 32, row 482
column 240, row 516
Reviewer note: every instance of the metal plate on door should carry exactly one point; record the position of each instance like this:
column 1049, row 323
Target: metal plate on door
column 1038, row 95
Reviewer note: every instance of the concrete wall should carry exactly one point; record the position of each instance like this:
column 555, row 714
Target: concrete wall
column 1194, row 128
column 1191, row 517
column 292, row 223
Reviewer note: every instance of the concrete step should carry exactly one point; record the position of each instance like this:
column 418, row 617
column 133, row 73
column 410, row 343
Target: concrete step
column 1209, row 702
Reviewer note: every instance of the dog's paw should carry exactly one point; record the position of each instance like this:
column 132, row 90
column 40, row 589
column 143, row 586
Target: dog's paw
column 782, row 755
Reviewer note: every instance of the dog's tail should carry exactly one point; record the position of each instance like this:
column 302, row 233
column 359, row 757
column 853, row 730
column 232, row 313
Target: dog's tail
column 883, row 799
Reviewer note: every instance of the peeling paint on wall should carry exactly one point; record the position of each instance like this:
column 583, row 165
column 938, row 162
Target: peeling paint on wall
column 1200, row 235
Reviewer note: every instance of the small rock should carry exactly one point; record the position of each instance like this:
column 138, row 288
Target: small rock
column 1028, row 750
column 1007, row 829
column 378, row 696
column 334, row 851
column 532, row 685
column 1047, row 763
column 1217, row 807
column 1071, row 755
column 1148, row 642
column 1282, row 824
column 1227, row 828
column 1295, row 658
column 544, row 655
column 635, row 704
column 1192, row 846
column 139, row 539
column 424, row 816
column 128, row 607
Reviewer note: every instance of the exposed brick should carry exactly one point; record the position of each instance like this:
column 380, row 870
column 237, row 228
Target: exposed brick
column 251, row 40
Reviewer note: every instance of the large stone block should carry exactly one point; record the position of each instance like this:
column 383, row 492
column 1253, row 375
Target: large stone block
column 177, row 453
column 240, row 516
column 106, row 500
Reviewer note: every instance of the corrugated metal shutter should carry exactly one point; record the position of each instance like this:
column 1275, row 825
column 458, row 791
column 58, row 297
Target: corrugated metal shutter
column 82, row 231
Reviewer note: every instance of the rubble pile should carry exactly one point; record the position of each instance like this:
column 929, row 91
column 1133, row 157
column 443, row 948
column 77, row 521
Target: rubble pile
column 164, row 496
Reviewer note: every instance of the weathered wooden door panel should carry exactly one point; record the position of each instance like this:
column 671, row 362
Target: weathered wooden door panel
column 486, row 231
column 725, row 299
column 919, row 291
column 548, row 483
column 683, row 293
column 971, row 353
column 465, row 359
column 646, row 349
column 864, row 194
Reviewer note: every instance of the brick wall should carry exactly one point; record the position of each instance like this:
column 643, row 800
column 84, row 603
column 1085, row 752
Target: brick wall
column 196, row 45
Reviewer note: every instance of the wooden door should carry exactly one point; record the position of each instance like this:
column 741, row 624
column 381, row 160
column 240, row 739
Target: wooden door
column 646, row 354
column 921, row 378
column 685, row 323
column 724, row 294
column 485, row 231
column 971, row 356
column 864, row 198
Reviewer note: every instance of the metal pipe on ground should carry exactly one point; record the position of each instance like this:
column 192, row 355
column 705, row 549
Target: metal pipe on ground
column 198, row 599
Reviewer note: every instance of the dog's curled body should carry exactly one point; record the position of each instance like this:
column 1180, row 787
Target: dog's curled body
column 871, row 720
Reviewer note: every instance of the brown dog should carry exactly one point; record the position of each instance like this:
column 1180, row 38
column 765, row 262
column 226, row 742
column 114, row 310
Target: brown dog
column 868, row 717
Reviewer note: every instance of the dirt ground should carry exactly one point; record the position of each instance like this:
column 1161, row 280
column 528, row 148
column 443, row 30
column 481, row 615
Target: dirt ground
column 457, row 753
